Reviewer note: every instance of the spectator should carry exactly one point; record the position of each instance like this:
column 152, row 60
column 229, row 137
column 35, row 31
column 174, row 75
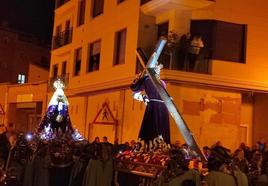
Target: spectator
column 255, row 168
column 261, row 143
column 246, row 150
column 7, row 140
column 255, row 148
column 183, row 48
column 105, row 139
column 194, row 50
column 116, row 146
column 96, row 140
column 265, row 161
column 240, row 161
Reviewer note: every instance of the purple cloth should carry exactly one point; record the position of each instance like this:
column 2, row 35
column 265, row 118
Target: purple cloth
column 51, row 115
column 156, row 117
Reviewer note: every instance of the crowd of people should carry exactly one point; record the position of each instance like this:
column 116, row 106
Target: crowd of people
column 92, row 163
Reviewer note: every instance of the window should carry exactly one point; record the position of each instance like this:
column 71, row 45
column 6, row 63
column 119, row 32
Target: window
column 63, row 68
column 120, row 1
column 77, row 62
column 97, row 7
column 58, row 30
column 66, row 33
column 162, row 29
column 67, row 25
column 225, row 41
column 230, row 42
column 81, row 12
column 94, row 56
column 120, row 47
column 21, row 78
column 55, row 71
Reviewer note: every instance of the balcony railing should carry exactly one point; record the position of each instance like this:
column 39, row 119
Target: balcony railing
column 63, row 38
column 60, row 3
column 173, row 58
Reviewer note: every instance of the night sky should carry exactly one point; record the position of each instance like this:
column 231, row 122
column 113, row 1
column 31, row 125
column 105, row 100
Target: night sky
column 30, row 16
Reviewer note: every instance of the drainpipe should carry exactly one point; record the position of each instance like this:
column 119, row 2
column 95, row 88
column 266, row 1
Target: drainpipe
column 85, row 127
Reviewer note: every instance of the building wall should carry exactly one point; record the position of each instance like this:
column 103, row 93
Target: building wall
column 37, row 74
column 253, row 14
column 7, row 47
column 240, row 12
column 17, row 51
column 133, row 115
column 86, row 115
column 77, row 111
column 260, row 127
column 147, row 31
column 23, row 101
column 115, row 101
column 247, row 118
column 221, row 113
column 104, row 28
column 27, row 93
column 211, row 115
column 3, row 99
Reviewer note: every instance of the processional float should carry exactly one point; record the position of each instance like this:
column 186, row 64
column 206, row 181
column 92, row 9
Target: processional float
column 174, row 112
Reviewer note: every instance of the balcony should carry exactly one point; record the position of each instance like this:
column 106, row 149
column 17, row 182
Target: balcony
column 61, row 39
column 156, row 7
column 59, row 3
column 178, row 59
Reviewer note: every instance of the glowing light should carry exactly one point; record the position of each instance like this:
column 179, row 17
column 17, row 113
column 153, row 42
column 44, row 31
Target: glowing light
column 77, row 136
column 29, row 137
column 58, row 84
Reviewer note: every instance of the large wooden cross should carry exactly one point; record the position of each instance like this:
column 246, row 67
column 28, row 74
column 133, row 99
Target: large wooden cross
column 181, row 124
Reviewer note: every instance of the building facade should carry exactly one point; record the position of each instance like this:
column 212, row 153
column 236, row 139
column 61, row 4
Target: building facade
column 223, row 98
column 18, row 50
column 22, row 105
column 24, row 71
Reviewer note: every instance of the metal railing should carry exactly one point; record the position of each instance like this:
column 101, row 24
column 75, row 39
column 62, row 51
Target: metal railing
column 174, row 59
column 63, row 38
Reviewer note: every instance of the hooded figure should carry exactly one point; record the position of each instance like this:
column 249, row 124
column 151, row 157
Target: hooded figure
column 156, row 118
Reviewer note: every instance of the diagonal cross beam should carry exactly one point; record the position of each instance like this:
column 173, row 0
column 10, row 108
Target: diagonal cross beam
column 174, row 112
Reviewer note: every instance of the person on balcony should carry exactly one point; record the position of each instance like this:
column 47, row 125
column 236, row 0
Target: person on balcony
column 194, row 51
column 183, row 47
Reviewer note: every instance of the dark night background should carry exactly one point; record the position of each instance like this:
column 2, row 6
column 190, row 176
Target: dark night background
column 29, row 16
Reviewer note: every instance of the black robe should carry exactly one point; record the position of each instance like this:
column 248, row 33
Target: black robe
column 156, row 118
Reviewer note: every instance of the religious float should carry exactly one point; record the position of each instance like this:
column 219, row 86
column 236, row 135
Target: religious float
column 157, row 163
